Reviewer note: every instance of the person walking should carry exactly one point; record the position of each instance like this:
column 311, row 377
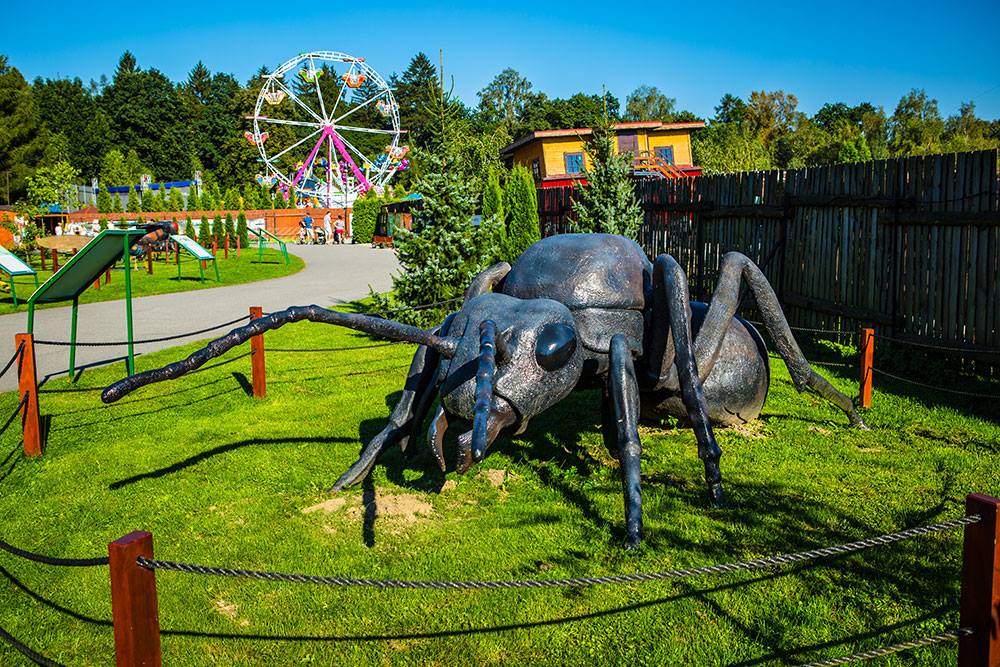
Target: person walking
column 307, row 222
column 338, row 231
column 327, row 228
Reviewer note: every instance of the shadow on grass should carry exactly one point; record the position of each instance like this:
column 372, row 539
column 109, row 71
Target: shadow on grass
column 216, row 451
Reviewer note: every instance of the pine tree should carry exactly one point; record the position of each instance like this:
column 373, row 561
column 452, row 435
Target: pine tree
column 229, row 231
column 217, row 229
column 176, row 200
column 607, row 204
column 152, row 201
column 493, row 216
column 205, row 232
column 103, row 201
column 250, row 197
column 134, row 205
column 193, row 201
column 521, row 203
column 116, row 203
column 103, row 222
column 232, row 200
column 241, row 230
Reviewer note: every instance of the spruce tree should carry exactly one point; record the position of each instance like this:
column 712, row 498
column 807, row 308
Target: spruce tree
column 189, row 229
column 103, row 201
column 249, row 197
column 493, row 216
column 521, row 203
column 133, row 206
column 230, row 230
column 217, row 229
column 607, row 204
column 176, row 200
column 241, row 230
column 116, row 203
column 233, row 200
column 193, row 201
column 205, row 232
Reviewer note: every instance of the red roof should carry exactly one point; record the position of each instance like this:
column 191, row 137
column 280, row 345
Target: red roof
column 583, row 131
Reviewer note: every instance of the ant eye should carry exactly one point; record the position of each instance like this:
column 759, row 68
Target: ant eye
column 556, row 344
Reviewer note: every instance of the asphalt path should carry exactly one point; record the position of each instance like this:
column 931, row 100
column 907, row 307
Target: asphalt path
column 333, row 274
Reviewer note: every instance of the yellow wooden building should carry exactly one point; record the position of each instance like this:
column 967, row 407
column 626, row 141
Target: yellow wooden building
column 556, row 157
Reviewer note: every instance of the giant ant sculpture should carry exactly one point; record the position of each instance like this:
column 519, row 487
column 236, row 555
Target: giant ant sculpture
column 575, row 311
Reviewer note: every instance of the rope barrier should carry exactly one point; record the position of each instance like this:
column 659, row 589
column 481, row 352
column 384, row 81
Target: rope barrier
column 52, row 560
column 17, row 411
column 639, row 577
column 27, row 651
column 13, row 358
column 950, row 635
column 141, row 342
column 328, row 349
column 838, row 332
column 935, row 387
column 940, row 348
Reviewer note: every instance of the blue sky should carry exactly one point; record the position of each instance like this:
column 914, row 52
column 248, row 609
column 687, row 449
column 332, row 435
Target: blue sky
column 695, row 52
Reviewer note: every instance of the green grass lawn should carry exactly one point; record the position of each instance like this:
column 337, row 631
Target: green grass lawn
column 222, row 479
column 232, row 271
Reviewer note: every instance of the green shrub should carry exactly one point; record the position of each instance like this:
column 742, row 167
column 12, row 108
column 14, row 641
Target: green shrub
column 134, row 205
column 103, row 201
column 229, row 231
column 521, row 203
column 193, row 200
column 241, row 230
column 366, row 212
column 204, row 232
column 176, row 200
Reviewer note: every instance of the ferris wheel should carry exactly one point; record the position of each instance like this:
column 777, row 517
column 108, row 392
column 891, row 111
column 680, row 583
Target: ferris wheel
column 327, row 127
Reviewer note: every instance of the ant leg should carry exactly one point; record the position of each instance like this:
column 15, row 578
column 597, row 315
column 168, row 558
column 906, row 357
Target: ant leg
column 623, row 392
column 725, row 300
column 487, row 280
column 420, row 382
column 671, row 289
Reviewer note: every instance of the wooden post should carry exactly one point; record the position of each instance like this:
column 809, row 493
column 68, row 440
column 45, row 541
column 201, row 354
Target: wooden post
column 41, row 255
column 133, row 602
column 867, row 356
column 226, row 248
column 237, row 246
column 55, row 260
column 979, row 607
column 107, row 277
column 257, row 357
column 28, row 385
column 215, row 246
column 97, row 283
column 149, row 262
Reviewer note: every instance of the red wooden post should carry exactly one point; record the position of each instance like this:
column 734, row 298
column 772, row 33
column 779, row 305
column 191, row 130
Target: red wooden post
column 97, row 283
column 149, row 262
column 979, row 607
column 107, row 277
column 55, row 260
column 226, row 248
column 215, row 246
column 237, row 247
column 867, row 356
column 41, row 255
column 257, row 357
column 28, row 385
column 133, row 602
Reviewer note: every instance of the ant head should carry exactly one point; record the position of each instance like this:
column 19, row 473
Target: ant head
column 514, row 359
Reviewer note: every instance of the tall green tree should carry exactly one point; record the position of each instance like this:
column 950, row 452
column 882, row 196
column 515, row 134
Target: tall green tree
column 648, row 103
column 134, row 203
column 505, row 98
column 411, row 89
column 521, row 206
column 103, row 201
column 68, row 108
column 193, row 202
column 229, row 229
column 176, row 200
column 53, row 185
column 205, row 232
column 241, row 230
column 916, row 126
column 114, row 172
column 22, row 140
column 607, row 203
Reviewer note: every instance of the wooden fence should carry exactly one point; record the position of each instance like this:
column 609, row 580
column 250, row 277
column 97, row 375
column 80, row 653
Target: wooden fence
column 910, row 246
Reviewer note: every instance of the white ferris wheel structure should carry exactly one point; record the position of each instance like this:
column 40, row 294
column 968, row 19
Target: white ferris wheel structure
column 316, row 152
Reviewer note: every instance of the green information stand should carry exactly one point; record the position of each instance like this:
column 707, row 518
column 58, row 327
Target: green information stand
column 77, row 274
column 199, row 253
column 264, row 235
column 13, row 265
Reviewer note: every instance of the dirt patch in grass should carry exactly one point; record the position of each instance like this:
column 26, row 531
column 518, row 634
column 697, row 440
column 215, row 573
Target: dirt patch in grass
column 331, row 505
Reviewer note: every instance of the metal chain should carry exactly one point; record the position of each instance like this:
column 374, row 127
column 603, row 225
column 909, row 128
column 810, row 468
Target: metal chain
column 950, row 635
column 639, row 577
column 65, row 343
column 935, row 387
column 27, row 651
column 13, row 358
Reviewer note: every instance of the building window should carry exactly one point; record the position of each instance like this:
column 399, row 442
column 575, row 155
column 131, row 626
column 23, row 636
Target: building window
column 666, row 153
column 536, row 170
column 574, row 162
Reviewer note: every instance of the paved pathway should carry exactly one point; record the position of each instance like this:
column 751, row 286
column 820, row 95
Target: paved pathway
column 333, row 274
